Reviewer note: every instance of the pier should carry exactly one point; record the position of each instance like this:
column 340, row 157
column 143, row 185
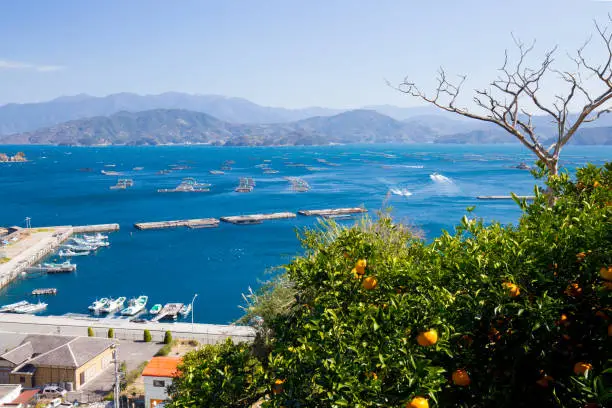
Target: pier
column 332, row 212
column 170, row 310
column 257, row 218
column 500, row 197
column 194, row 223
column 84, row 229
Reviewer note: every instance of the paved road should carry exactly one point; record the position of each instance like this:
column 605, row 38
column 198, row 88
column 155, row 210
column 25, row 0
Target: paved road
column 77, row 325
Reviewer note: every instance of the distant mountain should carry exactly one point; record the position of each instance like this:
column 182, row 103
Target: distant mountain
column 166, row 126
column 593, row 136
column 19, row 118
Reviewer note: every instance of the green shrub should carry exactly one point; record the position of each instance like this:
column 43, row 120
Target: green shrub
column 111, row 333
column 515, row 310
column 164, row 351
column 147, row 336
column 90, row 332
column 168, row 337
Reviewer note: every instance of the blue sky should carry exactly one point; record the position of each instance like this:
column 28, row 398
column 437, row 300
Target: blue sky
column 290, row 53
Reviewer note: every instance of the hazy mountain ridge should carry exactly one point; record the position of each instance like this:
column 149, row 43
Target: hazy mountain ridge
column 174, row 117
column 165, row 126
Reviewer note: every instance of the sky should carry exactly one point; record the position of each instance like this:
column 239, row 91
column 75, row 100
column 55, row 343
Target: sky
column 287, row 53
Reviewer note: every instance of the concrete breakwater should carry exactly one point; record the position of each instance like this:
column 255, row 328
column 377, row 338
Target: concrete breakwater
column 245, row 219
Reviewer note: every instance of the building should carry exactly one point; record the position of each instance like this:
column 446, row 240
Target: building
column 45, row 359
column 157, row 376
column 8, row 393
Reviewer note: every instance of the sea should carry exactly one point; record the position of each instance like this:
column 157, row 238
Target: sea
column 428, row 187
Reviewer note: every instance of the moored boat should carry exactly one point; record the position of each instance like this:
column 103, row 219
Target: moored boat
column 155, row 309
column 113, row 304
column 10, row 307
column 185, row 310
column 70, row 253
column 135, row 306
column 98, row 304
column 30, row 308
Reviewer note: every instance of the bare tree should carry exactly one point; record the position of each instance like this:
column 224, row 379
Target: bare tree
column 514, row 97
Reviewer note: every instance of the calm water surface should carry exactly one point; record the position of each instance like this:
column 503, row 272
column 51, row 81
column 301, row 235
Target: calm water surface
column 220, row 264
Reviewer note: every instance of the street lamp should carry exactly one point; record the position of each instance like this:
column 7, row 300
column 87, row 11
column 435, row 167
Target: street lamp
column 192, row 312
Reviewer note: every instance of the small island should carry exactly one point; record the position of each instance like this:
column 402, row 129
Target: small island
column 19, row 157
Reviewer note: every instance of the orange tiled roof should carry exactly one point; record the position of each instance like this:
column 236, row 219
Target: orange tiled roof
column 162, row 367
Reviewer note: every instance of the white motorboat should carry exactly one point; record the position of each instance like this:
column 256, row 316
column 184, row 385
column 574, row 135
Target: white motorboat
column 10, row 307
column 135, row 306
column 70, row 253
column 98, row 304
column 156, row 309
column 113, row 304
column 185, row 310
column 30, row 308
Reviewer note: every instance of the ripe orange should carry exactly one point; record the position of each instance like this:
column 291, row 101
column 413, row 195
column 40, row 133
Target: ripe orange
column 418, row 402
column 580, row 367
column 427, row 338
column 360, row 266
column 573, row 290
column 607, row 285
column 461, row 378
column 580, row 256
column 513, row 290
column 563, row 320
column 544, row 381
column 277, row 388
column 606, row 273
column 596, row 184
column 369, row 283
column 355, row 274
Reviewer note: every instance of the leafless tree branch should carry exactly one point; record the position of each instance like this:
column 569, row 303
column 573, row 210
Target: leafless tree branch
column 518, row 84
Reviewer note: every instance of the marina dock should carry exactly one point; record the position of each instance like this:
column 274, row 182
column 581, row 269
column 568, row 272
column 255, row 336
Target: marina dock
column 194, row 223
column 170, row 310
column 499, row 197
column 257, row 218
column 333, row 212
column 34, row 244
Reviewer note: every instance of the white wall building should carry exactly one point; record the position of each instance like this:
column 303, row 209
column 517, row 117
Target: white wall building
column 157, row 376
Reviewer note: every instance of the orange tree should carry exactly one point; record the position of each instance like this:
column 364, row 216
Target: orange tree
column 491, row 315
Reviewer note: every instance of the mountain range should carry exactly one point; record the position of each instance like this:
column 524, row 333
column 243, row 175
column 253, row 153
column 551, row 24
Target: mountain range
column 183, row 118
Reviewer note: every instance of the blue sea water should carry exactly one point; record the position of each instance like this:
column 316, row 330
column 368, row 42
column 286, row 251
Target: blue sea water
column 222, row 263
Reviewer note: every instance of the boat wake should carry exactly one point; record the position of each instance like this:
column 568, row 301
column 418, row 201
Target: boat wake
column 439, row 178
column 400, row 192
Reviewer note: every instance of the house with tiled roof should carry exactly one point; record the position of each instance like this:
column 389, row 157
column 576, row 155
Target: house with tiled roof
column 158, row 376
column 47, row 359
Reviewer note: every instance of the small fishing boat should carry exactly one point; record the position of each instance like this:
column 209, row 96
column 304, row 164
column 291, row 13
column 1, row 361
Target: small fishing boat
column 185, row 310
column 70, row 253
column 30, row 308
column 79, row 248
column 44, row 291
column 217, row 172
column 135, row 306
column 10, row 307
column 98, row 304
column 113, row 304
column 155, row 309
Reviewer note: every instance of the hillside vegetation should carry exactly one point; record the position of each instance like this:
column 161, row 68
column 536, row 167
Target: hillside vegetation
column 487, row 316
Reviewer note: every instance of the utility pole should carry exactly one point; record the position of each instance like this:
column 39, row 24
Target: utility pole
column 117, row 381
column 192, row 313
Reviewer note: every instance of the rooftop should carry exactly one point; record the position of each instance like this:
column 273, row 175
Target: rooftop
column 25, row 396
column 47, row 350
column 162, row 367
column 6, row 389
